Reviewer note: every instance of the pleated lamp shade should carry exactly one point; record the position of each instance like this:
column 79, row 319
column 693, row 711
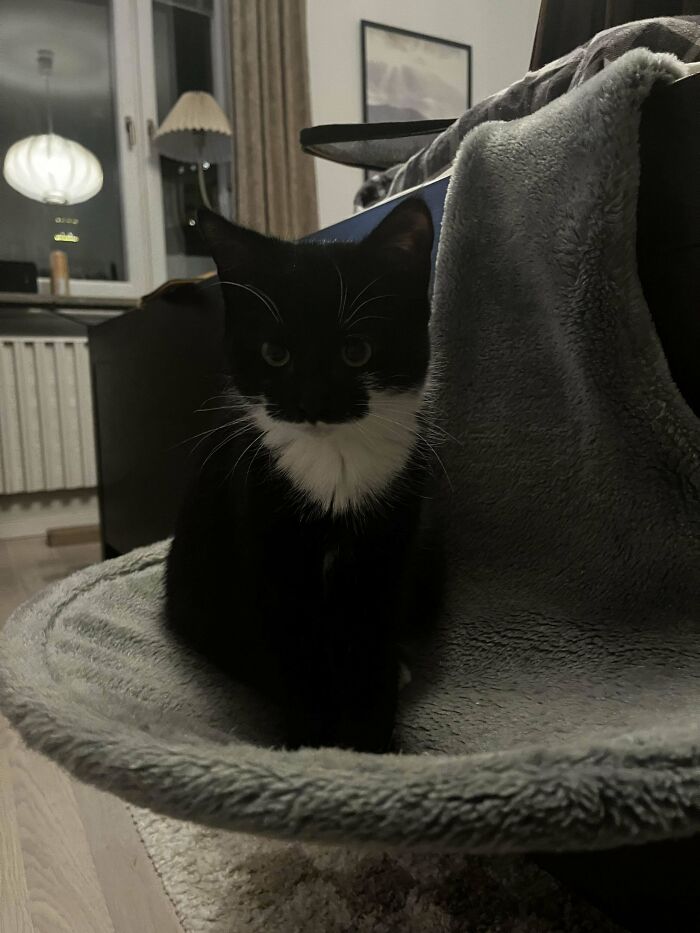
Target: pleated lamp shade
column 195, row 130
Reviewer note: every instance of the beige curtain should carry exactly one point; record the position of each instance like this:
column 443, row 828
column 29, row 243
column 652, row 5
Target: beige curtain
column 274, row 181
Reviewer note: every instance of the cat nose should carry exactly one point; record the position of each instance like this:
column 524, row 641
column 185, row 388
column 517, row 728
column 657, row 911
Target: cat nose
column 309, row 412
column 314, row 411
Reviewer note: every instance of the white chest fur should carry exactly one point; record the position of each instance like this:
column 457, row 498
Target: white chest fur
column 345, row 466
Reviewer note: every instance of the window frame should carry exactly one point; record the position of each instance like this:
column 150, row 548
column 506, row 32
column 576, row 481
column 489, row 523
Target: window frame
column 153, row 191
column 133, row 81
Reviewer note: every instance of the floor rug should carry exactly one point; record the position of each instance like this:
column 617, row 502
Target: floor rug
column 224, row 882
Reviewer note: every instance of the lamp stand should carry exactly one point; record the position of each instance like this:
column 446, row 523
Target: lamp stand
column 202, row 186
column 200, row 169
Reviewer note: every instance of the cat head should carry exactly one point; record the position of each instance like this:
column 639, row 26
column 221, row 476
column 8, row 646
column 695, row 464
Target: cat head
column 328, row 349
column 312, row 328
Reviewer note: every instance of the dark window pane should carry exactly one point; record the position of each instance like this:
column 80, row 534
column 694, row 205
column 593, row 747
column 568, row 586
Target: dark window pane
column 78, row 32
column 182, row 45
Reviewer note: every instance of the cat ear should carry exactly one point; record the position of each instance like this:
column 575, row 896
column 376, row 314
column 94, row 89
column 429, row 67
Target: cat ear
column 407, row 231
column 232, row 247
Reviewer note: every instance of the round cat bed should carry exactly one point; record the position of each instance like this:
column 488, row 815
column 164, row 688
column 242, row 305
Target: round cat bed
column 90, row 678
column 557, row 707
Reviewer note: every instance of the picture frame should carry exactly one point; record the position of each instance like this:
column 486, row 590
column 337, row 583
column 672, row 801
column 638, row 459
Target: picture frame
column 397, row 62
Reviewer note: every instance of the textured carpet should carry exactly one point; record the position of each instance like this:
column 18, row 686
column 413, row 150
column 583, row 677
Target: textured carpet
column 223, row 882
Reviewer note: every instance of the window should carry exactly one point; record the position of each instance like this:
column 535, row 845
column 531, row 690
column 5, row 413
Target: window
column 182, row 37
column 81, row 106
column 118, row 67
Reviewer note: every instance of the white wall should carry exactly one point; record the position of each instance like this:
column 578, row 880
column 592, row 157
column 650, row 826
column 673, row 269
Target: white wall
column 501, row 33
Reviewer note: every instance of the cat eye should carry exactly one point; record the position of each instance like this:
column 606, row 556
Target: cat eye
column 356, row 352
column 275, row 354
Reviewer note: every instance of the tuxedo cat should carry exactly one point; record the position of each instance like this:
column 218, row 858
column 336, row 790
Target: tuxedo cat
column 291, row 564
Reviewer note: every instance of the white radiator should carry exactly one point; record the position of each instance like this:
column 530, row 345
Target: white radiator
column 46, row 428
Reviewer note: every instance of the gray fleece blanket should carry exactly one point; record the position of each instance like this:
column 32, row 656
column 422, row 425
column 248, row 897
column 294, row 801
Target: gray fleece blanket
column 559, row 706
column 679, row 35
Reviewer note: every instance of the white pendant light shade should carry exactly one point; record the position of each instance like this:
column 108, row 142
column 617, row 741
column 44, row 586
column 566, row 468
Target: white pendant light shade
column 52, row 169
column 195, row 130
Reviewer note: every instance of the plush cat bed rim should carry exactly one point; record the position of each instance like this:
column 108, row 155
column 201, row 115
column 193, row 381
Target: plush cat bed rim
column 489, row 802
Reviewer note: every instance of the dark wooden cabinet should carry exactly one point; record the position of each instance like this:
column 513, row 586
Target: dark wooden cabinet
column 152, row 369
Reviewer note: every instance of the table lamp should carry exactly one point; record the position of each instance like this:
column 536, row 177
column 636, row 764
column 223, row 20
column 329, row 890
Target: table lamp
column 196, row 130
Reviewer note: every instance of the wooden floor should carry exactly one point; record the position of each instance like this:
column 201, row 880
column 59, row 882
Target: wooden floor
column 71, row 860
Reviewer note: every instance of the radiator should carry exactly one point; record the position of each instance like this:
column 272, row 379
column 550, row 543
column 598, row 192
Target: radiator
column 46, row 428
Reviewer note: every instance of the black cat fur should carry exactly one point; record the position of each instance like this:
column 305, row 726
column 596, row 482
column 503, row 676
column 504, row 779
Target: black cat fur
column 293, row 557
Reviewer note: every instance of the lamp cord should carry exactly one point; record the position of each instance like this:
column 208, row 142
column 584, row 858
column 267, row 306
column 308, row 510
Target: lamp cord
column 202, row 186
column 199, row 136
column 45, row 62
column 49, row 114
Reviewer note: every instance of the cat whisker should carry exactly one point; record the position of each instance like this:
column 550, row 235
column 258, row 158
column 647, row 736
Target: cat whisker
column 223, row 396
column 343, row 293
column 230, row 407
column 430, row 423
column 245, row 450
column 265, row 298
column 420, row 438
column 227, row 440
column 399, row 436
column 444, row 435
column 213, row 398
column 368, row 439
column 211, row 453
column 375, row 317
column 261, row 444
column 361, row 293
column 204, row 434
column 367, row 301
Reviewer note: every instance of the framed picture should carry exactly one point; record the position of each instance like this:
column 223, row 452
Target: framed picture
column 409, row 76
